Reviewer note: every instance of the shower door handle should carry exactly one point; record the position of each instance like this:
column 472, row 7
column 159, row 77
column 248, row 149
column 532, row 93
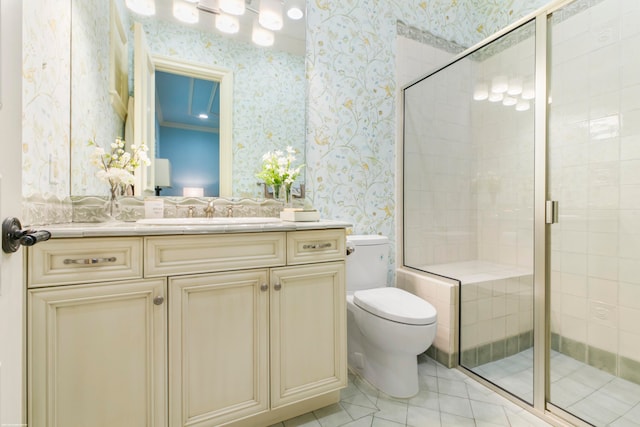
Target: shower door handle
column 551, row 214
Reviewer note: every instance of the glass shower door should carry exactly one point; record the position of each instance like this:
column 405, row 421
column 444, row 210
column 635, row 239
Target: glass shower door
column 594, row 174
column 469, row 196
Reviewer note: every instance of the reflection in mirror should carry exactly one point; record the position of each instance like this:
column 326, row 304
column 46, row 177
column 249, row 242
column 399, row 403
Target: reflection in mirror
column 188, row 115
column 268, row 92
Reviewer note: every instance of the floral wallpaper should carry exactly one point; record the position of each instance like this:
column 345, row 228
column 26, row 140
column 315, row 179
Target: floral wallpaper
column 45, row 100
column 351, row 116
column 351, row 140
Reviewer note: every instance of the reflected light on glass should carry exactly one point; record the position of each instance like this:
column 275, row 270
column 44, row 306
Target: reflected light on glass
column 496, row 97
column 509, row 101
column 261, row 36
column 528, row 90
column 522, row 105
column 227, row 24
column 499, row 84
column 515, row 86
column 203, row 116
column 185, row 12
column 142, row 7
column 481, row 92
column 270, row 14
column 234, row 7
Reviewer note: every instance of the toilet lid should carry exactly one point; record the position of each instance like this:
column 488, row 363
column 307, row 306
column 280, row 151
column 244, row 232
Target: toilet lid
column 396, row 305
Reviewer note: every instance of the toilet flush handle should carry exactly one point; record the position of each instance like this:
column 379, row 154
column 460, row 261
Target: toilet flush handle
column 350, row 250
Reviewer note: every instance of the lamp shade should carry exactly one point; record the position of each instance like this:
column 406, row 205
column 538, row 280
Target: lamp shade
column 163, row 173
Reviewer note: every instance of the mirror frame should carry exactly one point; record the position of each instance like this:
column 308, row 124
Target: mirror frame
column 225, row 78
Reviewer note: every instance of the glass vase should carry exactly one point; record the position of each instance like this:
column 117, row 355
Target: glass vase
column 112, row 205
column 285, row 192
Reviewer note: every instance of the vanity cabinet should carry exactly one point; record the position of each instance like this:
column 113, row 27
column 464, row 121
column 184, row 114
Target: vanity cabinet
column 238, row 329
column 97, row 354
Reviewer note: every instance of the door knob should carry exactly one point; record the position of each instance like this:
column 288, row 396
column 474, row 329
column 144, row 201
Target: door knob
column 13, row 235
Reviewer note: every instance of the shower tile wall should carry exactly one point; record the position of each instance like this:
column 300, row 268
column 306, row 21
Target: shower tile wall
column 595, row 175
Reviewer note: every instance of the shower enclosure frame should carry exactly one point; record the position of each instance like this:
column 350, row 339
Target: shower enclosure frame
column 543, row 218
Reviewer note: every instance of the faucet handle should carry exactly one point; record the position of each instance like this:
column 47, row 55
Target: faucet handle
column 229, row 211
column 191, row 210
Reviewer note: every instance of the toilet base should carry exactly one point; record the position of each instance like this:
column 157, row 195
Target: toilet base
column 393, row 374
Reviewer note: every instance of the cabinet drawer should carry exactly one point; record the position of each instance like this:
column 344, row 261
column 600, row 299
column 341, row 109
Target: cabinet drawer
column 84, row 260
column 168, row 255
column 305, row 247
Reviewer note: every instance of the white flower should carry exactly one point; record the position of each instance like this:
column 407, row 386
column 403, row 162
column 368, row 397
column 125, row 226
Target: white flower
column 117, row 166
column 277, row 169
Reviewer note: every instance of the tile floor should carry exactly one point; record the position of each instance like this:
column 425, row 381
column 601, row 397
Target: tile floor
column 447, row 397
column 589, row 393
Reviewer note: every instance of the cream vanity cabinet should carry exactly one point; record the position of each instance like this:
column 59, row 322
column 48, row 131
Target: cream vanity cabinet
column 241, row 329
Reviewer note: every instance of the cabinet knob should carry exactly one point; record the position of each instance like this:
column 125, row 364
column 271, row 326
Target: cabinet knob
column 264, row 287
column 277, row 286
column 158, row 300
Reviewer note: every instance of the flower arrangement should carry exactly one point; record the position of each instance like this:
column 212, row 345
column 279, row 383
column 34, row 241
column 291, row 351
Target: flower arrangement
column 116, row 167
column 278, row 172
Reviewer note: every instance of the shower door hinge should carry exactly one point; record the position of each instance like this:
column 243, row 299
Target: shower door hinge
column 551, row 215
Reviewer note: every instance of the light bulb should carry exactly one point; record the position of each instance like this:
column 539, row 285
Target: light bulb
column 185, row 12
column 234, row 7
column 270, row 16
column 227, row 24
column 261, row 36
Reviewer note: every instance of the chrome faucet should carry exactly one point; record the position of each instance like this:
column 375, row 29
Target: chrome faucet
column 229, row 211
column 210, row 209
column 191, row 211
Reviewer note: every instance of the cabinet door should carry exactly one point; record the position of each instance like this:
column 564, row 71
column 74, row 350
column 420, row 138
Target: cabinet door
column 97, row 355
column 218, row 340
column 308, row 331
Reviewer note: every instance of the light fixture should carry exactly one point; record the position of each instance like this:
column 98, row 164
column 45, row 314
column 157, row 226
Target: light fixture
column 185, row 12
column 227, row 24
column 270, row 14
column 234, row 7
column 203, row 116
column 193, row 192
column 499, row 84
column 162, row 174
column 142, row 7
column 481, row 91
column 295, row 9
column 261, row 36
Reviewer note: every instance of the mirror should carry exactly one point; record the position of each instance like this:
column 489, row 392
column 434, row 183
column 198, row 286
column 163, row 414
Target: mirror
column 268, row 93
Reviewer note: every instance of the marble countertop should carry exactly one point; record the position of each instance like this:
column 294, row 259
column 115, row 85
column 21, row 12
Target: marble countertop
column 119, row 228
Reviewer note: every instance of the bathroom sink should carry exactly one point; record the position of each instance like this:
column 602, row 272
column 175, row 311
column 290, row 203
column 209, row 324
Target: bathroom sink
column 208, row 221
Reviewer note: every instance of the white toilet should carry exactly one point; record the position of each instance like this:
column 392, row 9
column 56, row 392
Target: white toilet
column 387, row 327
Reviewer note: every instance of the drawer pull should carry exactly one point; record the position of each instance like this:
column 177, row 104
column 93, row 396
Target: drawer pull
column 277, row 286
column 325, row 245
column 90, row 260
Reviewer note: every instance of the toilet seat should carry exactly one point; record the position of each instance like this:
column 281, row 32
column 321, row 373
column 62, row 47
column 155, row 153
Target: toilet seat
column 396, row 305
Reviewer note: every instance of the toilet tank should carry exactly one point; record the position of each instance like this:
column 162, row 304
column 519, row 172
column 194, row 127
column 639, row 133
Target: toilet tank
column 367, row 266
